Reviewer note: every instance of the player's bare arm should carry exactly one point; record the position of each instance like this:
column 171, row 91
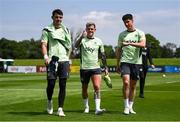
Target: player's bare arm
column 77, row 44
column 44, row 52
column 118, row 55
column 104, row 62
column 142, row 44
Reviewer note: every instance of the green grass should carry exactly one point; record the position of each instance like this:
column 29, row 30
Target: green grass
column 157, row 62
column 28, row 62
column 23, row 98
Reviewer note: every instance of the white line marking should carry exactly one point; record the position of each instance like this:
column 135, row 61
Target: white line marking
column 173, row 82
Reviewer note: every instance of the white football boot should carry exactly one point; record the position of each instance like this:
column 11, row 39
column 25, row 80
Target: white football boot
column 101, row 111
column 50, row 107
column 60, row 112
column 126, row 111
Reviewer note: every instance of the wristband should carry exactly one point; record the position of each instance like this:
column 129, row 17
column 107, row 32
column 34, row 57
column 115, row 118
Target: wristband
column 46, row 57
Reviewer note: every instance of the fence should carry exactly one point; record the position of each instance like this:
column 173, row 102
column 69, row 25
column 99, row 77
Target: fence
column 34, row 69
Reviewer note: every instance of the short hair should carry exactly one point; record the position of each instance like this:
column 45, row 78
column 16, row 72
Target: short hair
column 58, row 11
column 127, row 16
column 90, row 23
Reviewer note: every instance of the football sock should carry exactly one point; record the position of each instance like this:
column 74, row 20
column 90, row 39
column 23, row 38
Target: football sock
column 97, row 99
column 97, row 103
column 86, row 104
column 131, row 104
column 126, row 103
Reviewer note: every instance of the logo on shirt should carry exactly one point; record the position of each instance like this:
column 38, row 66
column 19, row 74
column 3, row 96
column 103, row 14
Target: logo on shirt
column 130, row 41
column 89, row 49
column 136, row 35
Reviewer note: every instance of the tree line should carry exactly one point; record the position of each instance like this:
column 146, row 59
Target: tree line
column 31, row 49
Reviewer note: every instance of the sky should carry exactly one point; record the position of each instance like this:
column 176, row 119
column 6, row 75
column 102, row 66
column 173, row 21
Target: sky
column 25, row 19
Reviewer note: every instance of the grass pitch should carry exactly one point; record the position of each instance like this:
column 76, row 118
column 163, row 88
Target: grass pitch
column 23, row 98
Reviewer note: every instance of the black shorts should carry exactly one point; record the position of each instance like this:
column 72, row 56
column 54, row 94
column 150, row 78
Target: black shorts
column 63, row 69
column 86, row 74
column 131, row 69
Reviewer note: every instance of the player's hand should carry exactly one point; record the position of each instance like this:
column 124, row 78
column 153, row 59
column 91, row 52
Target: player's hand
column 47, row 61
column 152, row 66
column 125, row 43
column 118, row 70
column 84, row 34
column 106, row 71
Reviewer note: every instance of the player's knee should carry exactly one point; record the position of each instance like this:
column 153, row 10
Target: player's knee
column 126, row 84
column 96, row 88
column 51, row 83
column 62, row 82
column 84, row 87
column 132, row 87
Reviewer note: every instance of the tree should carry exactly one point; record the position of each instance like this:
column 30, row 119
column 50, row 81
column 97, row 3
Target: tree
column 110, row 53
column 177, row 53
column 26, row 49
column 35, row 49
column 166, row 52
column 31, row 49
column 171, row 46
column 155, row 46
column 7, row 48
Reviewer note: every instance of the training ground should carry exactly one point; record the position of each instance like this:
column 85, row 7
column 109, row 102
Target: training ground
column 23, row 98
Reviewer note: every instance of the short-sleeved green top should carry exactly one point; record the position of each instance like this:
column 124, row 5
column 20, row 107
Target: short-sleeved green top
column 52, row 36
column 131, row 54
column 89, row 49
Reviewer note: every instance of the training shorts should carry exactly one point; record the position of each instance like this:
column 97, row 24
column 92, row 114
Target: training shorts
column 63, row 69
column 131, row 69
column 86, row 74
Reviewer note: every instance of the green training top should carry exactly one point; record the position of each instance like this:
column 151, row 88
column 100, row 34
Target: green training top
column 131, row 54
column 89, row 49
column 58, row 40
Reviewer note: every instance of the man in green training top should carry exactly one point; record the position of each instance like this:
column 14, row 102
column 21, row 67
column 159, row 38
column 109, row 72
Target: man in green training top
column 129, row 58
column 90, row 47
column 56, row 44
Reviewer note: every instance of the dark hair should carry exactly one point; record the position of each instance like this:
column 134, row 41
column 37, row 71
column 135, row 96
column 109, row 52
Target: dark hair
column 58, row 11
column 127, row 16
column 90, row 23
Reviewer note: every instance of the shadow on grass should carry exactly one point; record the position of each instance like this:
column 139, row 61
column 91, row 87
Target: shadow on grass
column 28, row 113
column 74, row 111
column 91, row 112
column 43, row 112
